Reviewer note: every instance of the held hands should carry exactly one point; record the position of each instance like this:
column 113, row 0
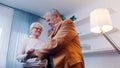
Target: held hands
column 31, row 54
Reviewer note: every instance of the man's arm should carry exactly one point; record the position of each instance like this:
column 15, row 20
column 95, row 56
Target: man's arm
column 65, row 34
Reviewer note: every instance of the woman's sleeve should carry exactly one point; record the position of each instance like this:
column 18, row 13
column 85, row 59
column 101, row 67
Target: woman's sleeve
column 21, row 52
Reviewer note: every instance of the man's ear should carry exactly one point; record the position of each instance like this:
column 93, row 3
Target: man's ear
column 57, row 16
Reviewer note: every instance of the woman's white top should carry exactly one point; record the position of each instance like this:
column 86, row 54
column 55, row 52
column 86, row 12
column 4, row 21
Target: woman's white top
column 33, row 43
column 30, row 43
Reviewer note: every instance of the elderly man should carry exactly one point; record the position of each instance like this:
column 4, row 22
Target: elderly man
column 64, row 45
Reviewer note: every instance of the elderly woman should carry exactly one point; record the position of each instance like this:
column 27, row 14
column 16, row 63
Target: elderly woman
column 30, row 45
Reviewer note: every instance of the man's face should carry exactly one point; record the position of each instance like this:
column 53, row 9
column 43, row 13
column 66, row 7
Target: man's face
column 51, row 19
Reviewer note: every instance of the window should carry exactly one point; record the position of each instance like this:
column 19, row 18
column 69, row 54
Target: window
column 6, row 15
column 0, row 31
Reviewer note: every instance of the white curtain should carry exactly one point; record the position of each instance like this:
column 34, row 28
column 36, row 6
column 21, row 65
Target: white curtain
column 6, row 15
column 14, row 27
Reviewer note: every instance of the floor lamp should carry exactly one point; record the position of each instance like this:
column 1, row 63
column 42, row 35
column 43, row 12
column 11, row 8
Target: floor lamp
column 100, row 22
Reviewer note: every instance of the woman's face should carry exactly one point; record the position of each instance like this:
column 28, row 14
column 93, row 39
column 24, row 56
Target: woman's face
column 36, row 30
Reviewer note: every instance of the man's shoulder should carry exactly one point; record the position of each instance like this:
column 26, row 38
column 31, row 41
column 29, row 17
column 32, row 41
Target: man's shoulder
column 68, row 21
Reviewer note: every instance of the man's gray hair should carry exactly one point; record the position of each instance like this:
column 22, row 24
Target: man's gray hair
column 54, row 12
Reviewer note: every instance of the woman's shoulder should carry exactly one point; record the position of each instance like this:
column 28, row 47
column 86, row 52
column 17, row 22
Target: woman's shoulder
column 26, row 40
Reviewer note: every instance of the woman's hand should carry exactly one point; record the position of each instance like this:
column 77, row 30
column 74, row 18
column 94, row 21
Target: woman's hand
column 31, row 54
column 31, row 51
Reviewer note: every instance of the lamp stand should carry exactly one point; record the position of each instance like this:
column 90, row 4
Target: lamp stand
column 117, row 48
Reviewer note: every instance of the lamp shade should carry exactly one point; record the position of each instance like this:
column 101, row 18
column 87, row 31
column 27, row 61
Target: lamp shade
column 100, row 20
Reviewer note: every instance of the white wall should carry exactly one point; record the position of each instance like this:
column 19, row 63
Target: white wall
column 104, row 59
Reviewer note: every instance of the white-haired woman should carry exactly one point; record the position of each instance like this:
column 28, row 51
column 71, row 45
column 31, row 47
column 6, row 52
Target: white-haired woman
column 30, row 45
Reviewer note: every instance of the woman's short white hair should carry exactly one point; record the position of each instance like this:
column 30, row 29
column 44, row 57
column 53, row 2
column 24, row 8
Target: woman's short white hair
column 36, row 23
